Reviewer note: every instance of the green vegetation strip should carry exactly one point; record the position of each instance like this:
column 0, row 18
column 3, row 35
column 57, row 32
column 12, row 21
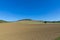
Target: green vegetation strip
column 57, row 38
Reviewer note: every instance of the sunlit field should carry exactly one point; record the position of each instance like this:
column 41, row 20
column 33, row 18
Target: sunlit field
column 28, row 31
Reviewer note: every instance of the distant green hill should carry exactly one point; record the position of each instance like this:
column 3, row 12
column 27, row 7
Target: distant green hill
column 3, row 21
column 25, row 20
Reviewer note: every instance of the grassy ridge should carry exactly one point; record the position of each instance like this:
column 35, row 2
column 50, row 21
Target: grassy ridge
column 3, row 21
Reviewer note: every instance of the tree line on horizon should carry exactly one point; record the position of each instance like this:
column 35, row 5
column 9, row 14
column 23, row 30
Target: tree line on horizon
column 3, row 21
column 40, row 21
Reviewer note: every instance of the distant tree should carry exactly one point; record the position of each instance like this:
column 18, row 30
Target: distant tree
column 45, row 22
column 54, row 22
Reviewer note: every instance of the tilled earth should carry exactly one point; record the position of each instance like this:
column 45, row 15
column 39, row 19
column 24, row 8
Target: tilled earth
column 16, row 31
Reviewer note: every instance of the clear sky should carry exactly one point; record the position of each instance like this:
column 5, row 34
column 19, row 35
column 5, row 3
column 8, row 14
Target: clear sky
column 12, row 10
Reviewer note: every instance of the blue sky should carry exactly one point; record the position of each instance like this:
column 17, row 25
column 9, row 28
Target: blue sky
column 12, row 10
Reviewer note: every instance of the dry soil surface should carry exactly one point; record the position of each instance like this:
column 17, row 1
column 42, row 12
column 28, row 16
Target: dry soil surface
column 16, row 31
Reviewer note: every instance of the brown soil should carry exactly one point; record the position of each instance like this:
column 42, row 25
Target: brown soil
column 16, row 31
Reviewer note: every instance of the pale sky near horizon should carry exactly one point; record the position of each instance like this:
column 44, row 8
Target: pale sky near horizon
column 12, row 10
